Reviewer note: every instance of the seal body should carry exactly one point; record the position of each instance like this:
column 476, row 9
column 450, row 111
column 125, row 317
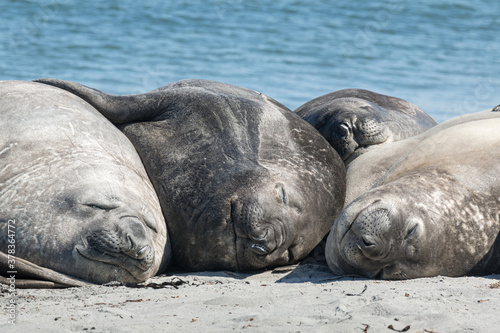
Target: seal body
column 366, row 170
column 244, row 182
column 434, row 212
column 355, row 121
column 74, row 195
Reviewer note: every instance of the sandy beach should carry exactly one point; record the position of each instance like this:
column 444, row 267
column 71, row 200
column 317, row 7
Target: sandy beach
column 442, row 56
column 301, row 298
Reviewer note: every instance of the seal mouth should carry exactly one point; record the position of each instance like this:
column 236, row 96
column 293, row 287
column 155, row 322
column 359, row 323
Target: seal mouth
column 270, row 240
column 366, row 247
column 253, row 253
column 126, row 246
column 362, row 149
column 260, row 249
column 259, row 240
column 136, row 267
column 357, row 251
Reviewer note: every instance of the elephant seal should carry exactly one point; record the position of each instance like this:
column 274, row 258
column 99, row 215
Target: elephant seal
column 355, row 121
column 74, row 195
column 434, row 212
column 364, row 172
column 244, row 182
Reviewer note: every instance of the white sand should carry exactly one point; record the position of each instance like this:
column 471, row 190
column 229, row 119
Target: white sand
column 303, row 298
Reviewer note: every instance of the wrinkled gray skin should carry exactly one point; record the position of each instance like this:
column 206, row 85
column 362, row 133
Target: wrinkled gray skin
column 434, row 212
column 74, row 191
column 244, row 182
column 355, row 121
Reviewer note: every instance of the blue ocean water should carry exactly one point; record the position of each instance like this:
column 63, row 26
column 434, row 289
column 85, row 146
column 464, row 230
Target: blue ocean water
column 442, row 55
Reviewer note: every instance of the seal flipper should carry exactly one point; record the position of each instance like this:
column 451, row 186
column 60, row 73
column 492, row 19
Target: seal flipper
column 117, row 109
column 40, row 277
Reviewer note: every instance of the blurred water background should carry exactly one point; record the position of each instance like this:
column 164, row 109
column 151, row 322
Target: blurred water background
column 442, row 55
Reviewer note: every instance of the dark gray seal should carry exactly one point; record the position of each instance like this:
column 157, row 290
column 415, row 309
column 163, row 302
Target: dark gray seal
column 244, row 182
column 355, row 121
column 74, row 195
column 434, row 212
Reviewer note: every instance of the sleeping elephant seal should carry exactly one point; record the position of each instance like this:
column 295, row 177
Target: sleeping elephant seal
column 435, row 212
column 74, row 195
column 364, row 172
column 244, row 183
column 355, row 121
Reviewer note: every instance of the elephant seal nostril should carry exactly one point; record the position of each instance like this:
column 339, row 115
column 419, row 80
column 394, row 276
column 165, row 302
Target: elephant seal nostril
column 259, row 236
column 364, row 242
column 266, row 242
column 141, row 254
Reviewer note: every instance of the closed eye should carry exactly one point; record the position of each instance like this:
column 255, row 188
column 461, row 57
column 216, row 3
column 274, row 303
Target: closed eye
column 411, row 232
column 284, row 196
column 151, row 223
column 101, row 206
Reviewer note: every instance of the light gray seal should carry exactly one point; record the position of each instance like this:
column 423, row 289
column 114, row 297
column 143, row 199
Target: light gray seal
column 244, row 182
column 364, row 172
column 74, row 195
column 434, row 212
column 355, row 121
